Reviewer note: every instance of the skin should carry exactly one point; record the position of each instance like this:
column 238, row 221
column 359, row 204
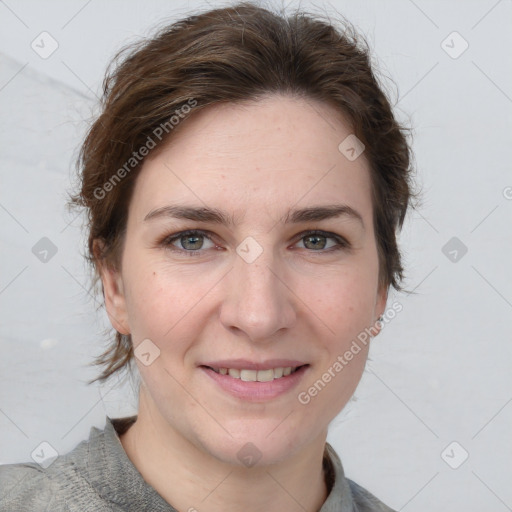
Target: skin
column 256, row 161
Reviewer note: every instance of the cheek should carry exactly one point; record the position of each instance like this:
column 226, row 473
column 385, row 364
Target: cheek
column 162, row 304
column 151, row 298
column 343, row 300
column 347, row 309
column 340, row 379
column 147, row 304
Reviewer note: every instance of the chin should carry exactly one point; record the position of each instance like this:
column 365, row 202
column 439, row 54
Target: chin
column 257, row 445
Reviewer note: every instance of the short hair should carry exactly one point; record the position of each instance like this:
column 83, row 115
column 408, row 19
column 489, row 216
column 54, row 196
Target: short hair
column 234, row 54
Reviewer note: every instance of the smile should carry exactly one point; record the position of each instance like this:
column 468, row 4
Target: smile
column 256, row 384
column 257, row 375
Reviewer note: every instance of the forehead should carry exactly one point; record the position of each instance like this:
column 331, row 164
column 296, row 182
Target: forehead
column 266, row 155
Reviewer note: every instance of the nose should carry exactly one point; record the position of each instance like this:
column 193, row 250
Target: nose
column 258, row 302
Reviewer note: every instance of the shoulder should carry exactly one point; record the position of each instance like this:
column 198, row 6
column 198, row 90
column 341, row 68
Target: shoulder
column 69, row 483
column 365, row 501
column 26, row 487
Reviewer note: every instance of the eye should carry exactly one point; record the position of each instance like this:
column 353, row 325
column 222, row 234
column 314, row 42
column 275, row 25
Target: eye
column 190, row 242
column 318, row 241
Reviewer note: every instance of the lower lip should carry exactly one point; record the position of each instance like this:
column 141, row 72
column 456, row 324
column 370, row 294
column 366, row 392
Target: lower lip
column 256, row 391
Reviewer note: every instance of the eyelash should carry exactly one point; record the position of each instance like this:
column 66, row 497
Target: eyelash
column 167, row 241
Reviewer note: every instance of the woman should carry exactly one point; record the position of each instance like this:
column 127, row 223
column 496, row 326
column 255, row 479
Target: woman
column 244, row 184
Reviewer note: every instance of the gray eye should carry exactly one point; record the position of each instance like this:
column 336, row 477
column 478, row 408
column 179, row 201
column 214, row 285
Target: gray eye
column 192, row 242
column 315, row 241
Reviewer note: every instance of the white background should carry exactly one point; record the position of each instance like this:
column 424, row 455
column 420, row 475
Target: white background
column 439, row 372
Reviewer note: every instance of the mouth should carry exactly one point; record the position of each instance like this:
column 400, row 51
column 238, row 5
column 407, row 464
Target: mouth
column 260, row 383
column 249, row 375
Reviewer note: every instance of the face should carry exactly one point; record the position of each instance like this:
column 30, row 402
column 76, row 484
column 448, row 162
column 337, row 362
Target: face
column 280, row 270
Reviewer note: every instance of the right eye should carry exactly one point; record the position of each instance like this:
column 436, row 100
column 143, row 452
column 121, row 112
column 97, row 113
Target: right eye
column 190, row 242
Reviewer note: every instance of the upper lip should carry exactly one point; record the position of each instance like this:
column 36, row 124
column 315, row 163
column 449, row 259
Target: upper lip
column 245, row 364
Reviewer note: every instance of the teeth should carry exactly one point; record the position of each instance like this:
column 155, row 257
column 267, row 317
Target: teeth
column 249, row 375
column 265, row 375
column 256, row 375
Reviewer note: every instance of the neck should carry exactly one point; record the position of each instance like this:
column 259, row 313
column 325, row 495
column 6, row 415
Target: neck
column 192, row 480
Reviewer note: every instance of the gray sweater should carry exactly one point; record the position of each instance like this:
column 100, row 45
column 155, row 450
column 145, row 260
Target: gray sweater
column 98, row 476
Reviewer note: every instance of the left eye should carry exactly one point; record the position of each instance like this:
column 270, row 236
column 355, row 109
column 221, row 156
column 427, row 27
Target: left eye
column 317, row 241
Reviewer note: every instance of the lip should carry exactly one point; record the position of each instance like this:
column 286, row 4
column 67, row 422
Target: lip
column 256, row 391
column 244, row 364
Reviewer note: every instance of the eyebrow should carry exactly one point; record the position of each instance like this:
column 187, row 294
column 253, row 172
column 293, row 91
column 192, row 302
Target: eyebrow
column 216, row 216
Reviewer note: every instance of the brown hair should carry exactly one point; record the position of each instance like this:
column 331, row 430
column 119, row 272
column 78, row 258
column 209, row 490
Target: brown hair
column 228, row 55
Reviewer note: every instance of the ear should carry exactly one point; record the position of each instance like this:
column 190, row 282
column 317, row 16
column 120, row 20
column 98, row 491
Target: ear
column 113, row 293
